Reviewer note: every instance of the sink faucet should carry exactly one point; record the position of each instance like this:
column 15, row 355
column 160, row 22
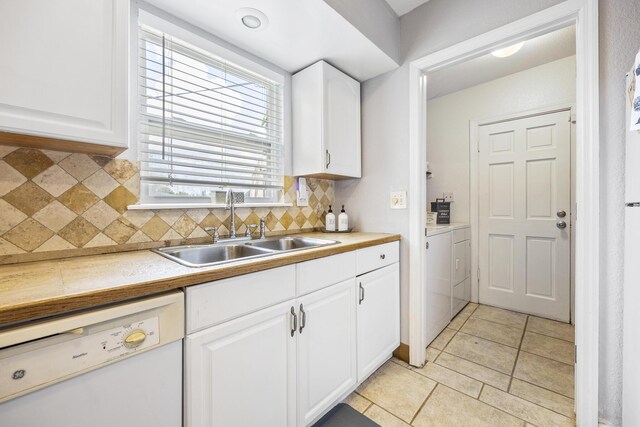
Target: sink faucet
column 216, row 235
column 262, row 228
column 231, row 205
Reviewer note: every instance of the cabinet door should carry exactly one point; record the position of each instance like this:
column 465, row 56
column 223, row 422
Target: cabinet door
column 459, row 261
column 438, row 286
column 341, row 123
column 243, row 372
column 65, row 69
column 378, row 318
column 326, row 349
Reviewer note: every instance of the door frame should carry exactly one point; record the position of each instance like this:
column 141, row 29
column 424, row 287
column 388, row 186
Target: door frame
column 583, row 14
column 474, row 189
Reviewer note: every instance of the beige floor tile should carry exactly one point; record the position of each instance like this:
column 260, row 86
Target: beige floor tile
column 458, row 321
column 548, row 399
column 547, row 373
column 484, row 352
column 493, row 331
column 473, row 370
column 468, row 309
column 397, row 390
column 357, row 402
column 498, row 315
column 447, row 407
column 432, row 354
column 400, row 362
column 443, row 339
column 553, row 348
column 384, row 418
column 563, row 331
column 451, row 379
column 523, row 409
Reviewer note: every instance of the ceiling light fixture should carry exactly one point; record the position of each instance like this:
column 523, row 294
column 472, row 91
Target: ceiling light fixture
column 252, row 19
column 507, row 51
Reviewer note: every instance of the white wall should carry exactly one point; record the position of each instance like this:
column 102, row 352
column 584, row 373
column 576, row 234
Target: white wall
column 385, row 115
column 441, row 23
column 448, row 120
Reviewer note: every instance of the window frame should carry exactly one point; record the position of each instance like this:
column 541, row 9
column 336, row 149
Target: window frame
column 222, row 49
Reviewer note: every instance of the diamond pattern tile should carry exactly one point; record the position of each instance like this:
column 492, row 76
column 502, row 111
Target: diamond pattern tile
column 120, row 198
column 29, row 198
column 55, row 216
column 79, row 232
column 53, row 201
column 9, row 178
column 29, row 162
column 78, row 198
column 80, row 166
column 28, row 235
column 55, row 180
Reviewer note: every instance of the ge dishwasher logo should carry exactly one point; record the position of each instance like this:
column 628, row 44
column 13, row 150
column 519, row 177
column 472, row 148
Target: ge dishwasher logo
column 19, row 374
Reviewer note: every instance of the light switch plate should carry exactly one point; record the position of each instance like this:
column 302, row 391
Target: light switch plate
column 302, row 193
column 398, row 200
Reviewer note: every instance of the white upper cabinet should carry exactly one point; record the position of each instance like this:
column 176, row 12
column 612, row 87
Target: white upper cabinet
column 326, row 123
column 64, row 74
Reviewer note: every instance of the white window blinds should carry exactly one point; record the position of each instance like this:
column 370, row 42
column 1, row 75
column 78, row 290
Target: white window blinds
column 205, row 121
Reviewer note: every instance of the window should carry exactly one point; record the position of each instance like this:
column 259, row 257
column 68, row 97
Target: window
column 206, row 124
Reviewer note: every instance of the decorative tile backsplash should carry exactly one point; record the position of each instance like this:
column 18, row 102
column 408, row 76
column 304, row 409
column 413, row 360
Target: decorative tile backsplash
column 58, row 203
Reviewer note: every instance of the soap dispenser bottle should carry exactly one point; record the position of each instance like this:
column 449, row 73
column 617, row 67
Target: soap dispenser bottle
column 343, row 220
column 330, row 221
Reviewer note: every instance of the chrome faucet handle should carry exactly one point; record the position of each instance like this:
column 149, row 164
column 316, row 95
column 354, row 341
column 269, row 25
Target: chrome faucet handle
column 262, row 228
column 250, row 229
column 216, row 234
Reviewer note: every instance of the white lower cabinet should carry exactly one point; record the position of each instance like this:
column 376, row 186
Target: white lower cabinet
column 326, row 348
column 289, row 363
column 243, row 372
column 378, row 318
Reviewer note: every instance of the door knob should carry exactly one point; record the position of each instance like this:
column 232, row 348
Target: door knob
column 561, row 214
column 561, row 225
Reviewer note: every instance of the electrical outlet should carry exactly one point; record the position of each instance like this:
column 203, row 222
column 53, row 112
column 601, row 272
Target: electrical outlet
column 448, row 197
column 398, row 200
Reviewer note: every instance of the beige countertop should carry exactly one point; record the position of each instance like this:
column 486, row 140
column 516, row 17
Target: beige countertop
column 38, row 289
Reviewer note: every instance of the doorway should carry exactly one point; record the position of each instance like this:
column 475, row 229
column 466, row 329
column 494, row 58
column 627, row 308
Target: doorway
column 584, row 14
column 523, row 214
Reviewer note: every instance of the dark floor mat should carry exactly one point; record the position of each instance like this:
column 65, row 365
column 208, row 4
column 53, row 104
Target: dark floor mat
column 343, row 415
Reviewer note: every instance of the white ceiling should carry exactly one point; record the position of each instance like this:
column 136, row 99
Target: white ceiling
column 299, row 33
column 540, row 50
column 400, row 7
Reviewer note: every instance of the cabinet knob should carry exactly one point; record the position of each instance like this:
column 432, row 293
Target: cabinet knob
column 382, row 256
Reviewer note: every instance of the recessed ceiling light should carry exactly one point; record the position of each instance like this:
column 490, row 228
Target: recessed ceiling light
column 252, row 19
column 507, row 51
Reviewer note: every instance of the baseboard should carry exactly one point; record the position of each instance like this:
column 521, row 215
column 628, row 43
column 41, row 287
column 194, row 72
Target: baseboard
column 402, row 352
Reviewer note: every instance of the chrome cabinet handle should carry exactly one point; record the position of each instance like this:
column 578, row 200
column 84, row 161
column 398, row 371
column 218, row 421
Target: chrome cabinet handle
column 303, row 318
column 294, row 316
column 361, row 294
column 561, row 225
column 382, row 256
column 328, row 158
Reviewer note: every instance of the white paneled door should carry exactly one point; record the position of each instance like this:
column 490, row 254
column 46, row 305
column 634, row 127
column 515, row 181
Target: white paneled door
column 524, row 207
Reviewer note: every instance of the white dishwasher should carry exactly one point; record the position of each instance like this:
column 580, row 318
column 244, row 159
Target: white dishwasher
column 118, row 365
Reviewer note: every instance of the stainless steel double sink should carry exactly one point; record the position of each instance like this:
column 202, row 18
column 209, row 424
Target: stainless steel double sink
column 228, row 251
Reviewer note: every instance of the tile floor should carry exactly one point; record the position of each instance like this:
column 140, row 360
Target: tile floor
column 489, row 367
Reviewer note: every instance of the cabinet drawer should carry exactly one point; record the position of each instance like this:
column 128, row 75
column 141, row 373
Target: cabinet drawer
column 322, row 272
column 461, row 234
column 216, row 302
column 374, row 257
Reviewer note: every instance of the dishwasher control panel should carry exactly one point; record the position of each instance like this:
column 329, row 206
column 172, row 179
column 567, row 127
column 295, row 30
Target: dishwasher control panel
column 36, row 364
